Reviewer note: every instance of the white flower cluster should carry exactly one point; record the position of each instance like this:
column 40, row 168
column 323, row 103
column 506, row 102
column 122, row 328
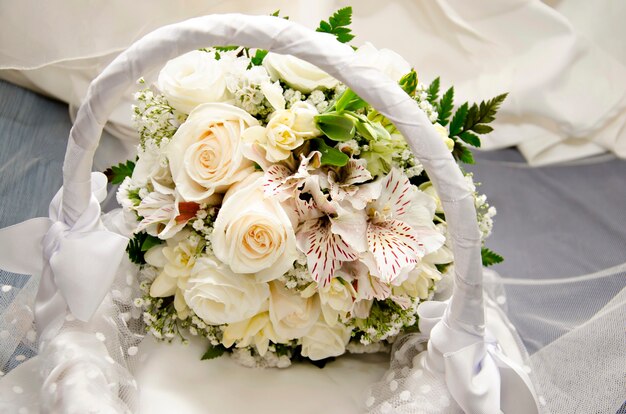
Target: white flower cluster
column 421, row 96
column 255, row 223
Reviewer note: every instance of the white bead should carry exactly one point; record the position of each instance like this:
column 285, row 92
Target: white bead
column 20, row 358
column 31, row 335
column 370, row 401
column 100, row 337
column 405, row 395
column 393, row 385
column 52, row 388
column 132, row 351
column 501, row 300
column 385, row 407
column 417, row 373
column 6, row 288
column 425, row 389
column 4, row 334
column 17, row 389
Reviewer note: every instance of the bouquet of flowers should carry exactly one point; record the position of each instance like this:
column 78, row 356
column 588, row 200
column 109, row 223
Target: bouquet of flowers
column 278, row 214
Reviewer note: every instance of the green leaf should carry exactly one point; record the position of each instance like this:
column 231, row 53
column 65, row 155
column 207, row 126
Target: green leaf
column 458, row 120
column 330, row 156
column 259, row 55
column 409, row 82
column 462, row 153
column 470, row 138
column 349, row 101
column 490, row 257
column 276, row 13
column 445, row 107
column 133, row 249
column 433, row 91
column 483, row 114
column 335, row 126
column 482, row 129
column 337, row 25
column 213, row 352
column 117, row 173
column 150, row 242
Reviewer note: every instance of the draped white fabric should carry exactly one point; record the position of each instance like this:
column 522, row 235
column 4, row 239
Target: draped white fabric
column 562, row 61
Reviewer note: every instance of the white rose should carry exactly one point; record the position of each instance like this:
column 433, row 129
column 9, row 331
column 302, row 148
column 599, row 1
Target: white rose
column 297, row 73
column 193, row 79
column 419, row 282
column 324, row 341
column 337, row 300
column 252, row 233
column 286, row 131
column 205, row 153
column 292, row 315
column 385, row 60
column 219, row 296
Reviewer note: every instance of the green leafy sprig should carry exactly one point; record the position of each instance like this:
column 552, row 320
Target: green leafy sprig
column 467, row 122
column 337, row 25
column 117, row 173
column 490, row 257
column 139, row 245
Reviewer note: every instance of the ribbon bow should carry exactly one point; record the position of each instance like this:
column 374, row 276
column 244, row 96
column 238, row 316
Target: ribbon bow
column 77, row 263
column 479, row 376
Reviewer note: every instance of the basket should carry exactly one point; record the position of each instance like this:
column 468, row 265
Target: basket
column 467, row 361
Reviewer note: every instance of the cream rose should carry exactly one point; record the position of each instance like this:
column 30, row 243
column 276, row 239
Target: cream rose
column 292, row 315
column 385, row 60
column 324, row 341
column 297, row 73
column 286, row 131
column 175, row 259
column 193, row 79
column 252, row 233
column 257, row 331
column 205, row 153
column 337, row 300
column 219, row 296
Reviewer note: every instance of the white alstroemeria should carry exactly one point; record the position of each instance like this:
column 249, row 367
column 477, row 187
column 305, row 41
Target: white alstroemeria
column 164, row 215
column 175, row 259
column 257, row 331
column 343, row 183
column 281, row 182
column 400, row 229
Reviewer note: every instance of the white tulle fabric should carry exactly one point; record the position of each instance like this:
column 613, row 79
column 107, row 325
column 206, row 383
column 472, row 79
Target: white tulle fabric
column 563, row 61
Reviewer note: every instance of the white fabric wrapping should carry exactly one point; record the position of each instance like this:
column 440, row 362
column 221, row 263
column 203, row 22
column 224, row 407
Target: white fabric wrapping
column 563, row 61
column 462, row 324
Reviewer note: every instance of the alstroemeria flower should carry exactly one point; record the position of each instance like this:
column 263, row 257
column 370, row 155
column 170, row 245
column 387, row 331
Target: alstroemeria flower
column 400, row 228
column 281, row 182
column 164, row 215
column 342, row 183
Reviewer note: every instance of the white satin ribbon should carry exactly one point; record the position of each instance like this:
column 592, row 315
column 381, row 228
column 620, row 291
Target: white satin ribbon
column 77, row 263
column 479, row 376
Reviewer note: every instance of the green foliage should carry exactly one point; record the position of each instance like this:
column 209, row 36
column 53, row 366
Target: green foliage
column 479, row 115
column 259, row 55
column 336, row 126
column 337, row 25
column 456, row 126
column 445, row 106
column 219, row 49
column 213, row 352
column 330, row 156
column 461, row 153
column 349, row 101
column 409, row 82
column 138, row 245
column 470, row 138
column 433, row 92
column 490, row 257
column 117, row 173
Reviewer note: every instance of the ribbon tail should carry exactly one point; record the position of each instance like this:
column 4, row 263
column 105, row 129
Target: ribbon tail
column 21, row 246
column 85, row 267
column 518, row 394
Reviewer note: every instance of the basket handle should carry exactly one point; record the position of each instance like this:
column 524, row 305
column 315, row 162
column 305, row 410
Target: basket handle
column 283, row 36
